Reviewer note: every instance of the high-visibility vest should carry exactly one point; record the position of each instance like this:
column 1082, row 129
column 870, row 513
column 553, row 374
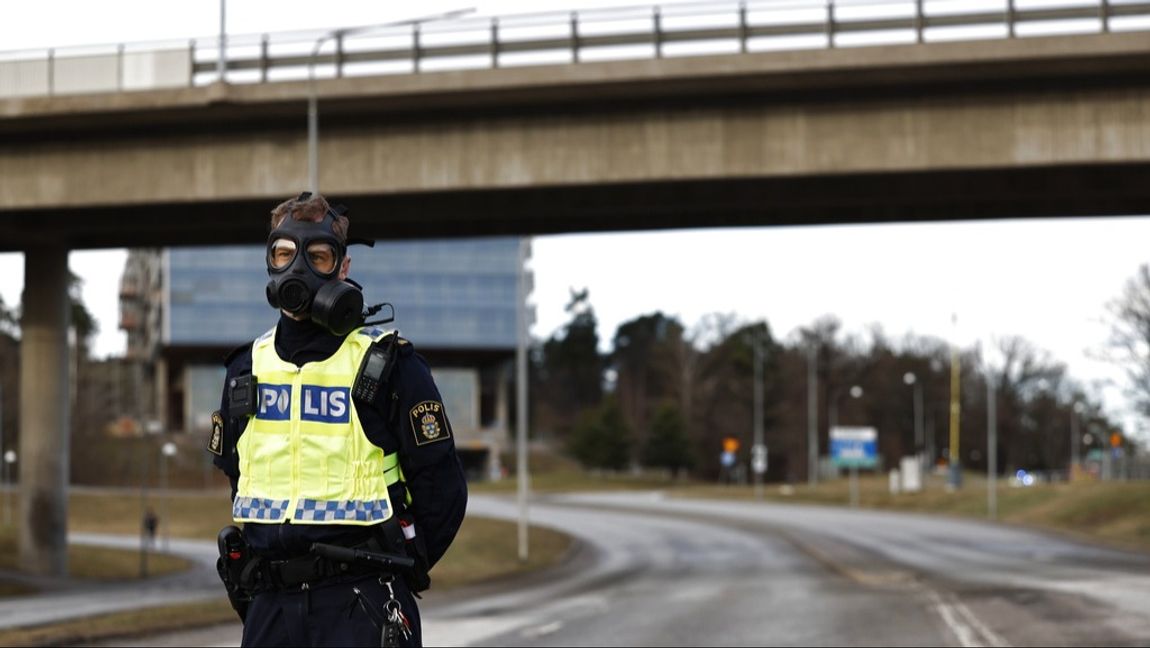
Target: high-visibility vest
column 304, row 457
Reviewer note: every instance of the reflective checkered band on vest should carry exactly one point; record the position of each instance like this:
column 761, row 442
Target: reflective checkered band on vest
column 361, row 511
column 256, row 508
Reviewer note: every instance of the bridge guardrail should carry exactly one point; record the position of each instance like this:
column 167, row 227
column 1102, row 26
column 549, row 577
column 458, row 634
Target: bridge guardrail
column 693, row 29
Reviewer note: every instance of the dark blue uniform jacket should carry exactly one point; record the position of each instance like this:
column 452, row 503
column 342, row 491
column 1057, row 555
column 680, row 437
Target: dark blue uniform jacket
column 433, row 473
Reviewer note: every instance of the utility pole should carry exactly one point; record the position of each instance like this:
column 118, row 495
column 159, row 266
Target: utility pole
column 758, row 451
column 222, row 61
column 991, row 447
column 955, row 460
column 812, row 416
column 4, row 466
column 1075, row 440
column 521, row 474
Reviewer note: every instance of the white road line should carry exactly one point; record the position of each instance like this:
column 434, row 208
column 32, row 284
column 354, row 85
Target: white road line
column 543, row 630
column 992, row 638
column 966, row 635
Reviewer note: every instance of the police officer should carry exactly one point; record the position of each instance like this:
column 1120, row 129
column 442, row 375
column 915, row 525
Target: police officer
column 331, row 432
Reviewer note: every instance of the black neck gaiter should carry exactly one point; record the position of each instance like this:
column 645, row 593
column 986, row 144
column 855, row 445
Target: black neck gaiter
column 300, row 342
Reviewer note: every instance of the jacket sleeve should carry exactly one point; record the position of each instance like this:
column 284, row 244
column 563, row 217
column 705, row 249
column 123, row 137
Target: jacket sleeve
column 223, row 446
column 432, row 471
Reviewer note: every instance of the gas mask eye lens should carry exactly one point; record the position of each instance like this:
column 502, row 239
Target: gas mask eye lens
column 281, row 253
column 322, row 257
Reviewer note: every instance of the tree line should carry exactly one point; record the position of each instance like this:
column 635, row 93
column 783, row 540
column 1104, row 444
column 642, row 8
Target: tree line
column 665, row 397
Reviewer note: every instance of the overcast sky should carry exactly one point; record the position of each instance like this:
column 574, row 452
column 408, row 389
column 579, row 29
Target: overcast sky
column 1047, row 280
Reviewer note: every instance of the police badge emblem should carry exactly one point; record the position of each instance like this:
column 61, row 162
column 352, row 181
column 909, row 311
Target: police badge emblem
column 216, row 441
column 429, row 423
column 430, row 426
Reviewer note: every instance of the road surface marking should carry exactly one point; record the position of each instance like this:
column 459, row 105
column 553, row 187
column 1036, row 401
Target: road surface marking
column 992, row 638
column 540, row 631
column 970, row 632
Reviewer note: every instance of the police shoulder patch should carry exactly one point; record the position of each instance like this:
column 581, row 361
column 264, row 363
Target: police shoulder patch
column 429, row 423
column 216, row 440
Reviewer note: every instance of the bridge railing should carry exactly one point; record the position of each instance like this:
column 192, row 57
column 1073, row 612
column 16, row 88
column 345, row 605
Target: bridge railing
column 693, row 29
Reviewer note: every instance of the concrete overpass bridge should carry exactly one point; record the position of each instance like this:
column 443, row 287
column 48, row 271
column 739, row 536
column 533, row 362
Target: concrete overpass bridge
column 106, row 150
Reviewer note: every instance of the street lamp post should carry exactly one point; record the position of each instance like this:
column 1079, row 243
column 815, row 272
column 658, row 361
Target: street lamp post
column 521, row 334
column 919, row 446
column 313, row 96
column 954, row 459
column 222, row 60
column 856, row 392
column 991, row 448
column 9, row 463
column 167, row 451
column 812, row 416
column 1075, row 439
column 758, row 451
column 4, row 466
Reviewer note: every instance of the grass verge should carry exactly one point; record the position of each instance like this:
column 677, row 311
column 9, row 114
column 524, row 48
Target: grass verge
column 1116, row 513
column 89, row 563
column 107, row 626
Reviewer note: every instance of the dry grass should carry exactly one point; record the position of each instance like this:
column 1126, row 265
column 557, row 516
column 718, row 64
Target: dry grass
column 134, row 622
column 1112, row 512
column 95, row 563
column 488, row 549
column 199, row 515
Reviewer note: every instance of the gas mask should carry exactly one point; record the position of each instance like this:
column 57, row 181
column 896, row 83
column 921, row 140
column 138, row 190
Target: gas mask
column 303, row 260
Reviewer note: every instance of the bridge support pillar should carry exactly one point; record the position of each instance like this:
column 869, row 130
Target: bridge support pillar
column 44, row 412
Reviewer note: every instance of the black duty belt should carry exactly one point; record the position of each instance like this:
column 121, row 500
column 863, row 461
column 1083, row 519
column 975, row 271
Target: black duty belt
column 312, row 569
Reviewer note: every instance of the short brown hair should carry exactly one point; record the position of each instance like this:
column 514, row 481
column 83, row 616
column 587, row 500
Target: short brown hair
column 311, row 209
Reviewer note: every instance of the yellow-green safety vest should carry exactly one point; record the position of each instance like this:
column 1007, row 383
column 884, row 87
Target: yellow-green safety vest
column 304, row 457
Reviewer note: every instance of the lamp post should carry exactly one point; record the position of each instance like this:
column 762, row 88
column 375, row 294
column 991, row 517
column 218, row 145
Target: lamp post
column 9, row 463
column 955, row 414
column 222, row 61
column 521, row 474
column 919, row 447
column 991, row 448
column 167, row 451
column 812, row 415
column 313, row 98
column 4, row 466
column 1075, row 460
column 856, row 393
column 759, row 450
column 929, row 431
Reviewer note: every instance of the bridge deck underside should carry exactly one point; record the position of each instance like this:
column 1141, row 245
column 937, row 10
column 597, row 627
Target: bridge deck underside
column 1087, row 190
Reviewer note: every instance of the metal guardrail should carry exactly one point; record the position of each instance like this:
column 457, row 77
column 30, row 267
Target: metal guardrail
column 625, row 32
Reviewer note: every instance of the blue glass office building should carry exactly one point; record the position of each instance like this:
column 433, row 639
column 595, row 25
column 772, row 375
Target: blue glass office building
column 448, row 294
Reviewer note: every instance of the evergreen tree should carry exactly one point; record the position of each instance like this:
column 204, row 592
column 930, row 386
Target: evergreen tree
column 601, row 438
column 667, row 445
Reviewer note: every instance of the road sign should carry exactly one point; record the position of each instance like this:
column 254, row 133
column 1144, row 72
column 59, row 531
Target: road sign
column 730, row 444
column 855, row 447
column 759, row 459
column 727, row 459
column 1115, row 440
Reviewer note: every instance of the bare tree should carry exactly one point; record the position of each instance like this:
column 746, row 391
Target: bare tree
column 1130, row 336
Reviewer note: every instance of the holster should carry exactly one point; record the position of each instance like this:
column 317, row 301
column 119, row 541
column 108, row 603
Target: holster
column 235, row 567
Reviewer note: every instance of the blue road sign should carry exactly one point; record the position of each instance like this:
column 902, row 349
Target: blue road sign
column 854, row 447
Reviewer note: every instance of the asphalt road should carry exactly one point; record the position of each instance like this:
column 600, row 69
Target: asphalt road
column 654, row 571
